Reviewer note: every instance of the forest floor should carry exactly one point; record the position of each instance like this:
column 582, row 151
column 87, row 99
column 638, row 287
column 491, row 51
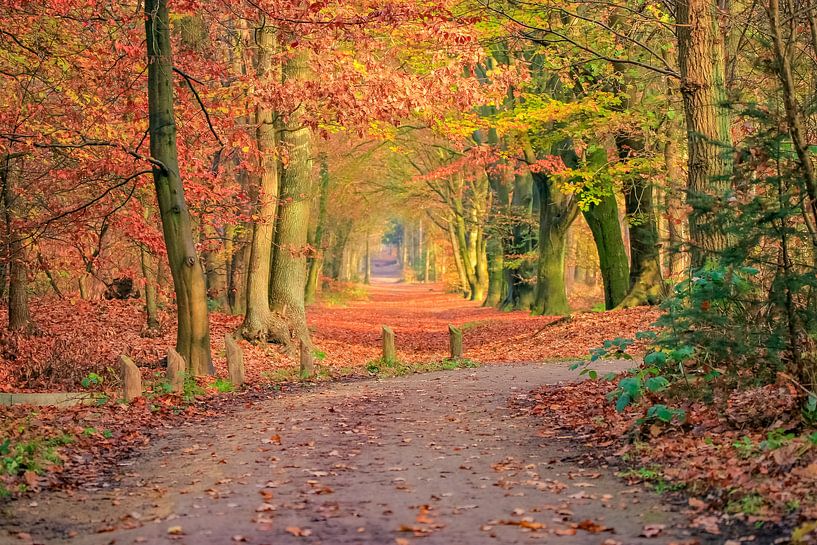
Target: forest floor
column 512, row 451
column 437, row 458
column 345, row 328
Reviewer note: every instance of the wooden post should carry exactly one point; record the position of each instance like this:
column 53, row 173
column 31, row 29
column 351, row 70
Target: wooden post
column 235, row 360
column 307, row 362
column 175, row 371
column 455, row 342
column 389, row 353
column 131, row 379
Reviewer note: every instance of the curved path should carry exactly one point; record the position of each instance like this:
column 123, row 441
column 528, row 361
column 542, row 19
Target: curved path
column 436, row 459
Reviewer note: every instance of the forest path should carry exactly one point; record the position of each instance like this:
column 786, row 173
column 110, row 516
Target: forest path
column 437, row 459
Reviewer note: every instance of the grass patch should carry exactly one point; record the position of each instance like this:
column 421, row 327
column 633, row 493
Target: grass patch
column 28, row 454
column 341, row 294
column 374, row 368
column 653, row 476
column 397, row 368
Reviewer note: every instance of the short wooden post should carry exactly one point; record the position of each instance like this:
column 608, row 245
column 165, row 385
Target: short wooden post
column 131, row 379
column 235, row 360
column 455, row 342
column 307, row 362
column 389, row 353
column 175, row 371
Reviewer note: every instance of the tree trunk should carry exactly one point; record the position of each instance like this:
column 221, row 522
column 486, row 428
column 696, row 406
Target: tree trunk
column 646, row 280
column 215, row 268
column 239, row 264
column 339, row 248
column 795, row 119
column 289, row 261
column 47, row 270
column 193, row 336
column 603, row 221
column 701, row 57
column 316, row 261
column 481, row 266
column 519, row 293
column 556, row 213
column 367, row 263
column 496, row 277
column 495, row 249
column 677, row 260
column 465, row 255
column 257, row 316
column 19, row 315
column 457, row 253
column 151, row 304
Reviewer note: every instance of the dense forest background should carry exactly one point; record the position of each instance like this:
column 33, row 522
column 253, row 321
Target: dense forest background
column 237, row 157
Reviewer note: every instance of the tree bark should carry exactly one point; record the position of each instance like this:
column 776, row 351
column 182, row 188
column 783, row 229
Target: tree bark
column 215, row 268
column 316, row 261
column 701, row 56
column 556, row 213
column 257, row 316
column 795, row 119
column 151, row 303
column 193, row 336
column 289, row 261
column 367, row 262
column 520, row 293
column 646, row 281
column 677, row 260
column 341, row 239
column 499, row 198
column 603, row 221
column 496, row 268
column 457, row 253
column 19, row 318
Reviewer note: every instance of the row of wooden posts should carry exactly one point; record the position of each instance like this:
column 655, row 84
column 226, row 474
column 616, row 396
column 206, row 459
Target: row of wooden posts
column 454, row 343
column 132, row 377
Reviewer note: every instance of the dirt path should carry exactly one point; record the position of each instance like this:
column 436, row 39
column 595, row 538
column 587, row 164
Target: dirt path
column 436, row 459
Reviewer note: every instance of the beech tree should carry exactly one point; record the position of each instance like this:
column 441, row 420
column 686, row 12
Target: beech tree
column 193, row 334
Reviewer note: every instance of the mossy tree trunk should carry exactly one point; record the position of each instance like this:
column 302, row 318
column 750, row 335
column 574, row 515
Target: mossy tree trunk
column 495, row 248
column 458, row 263
column 557, row 211
column 193, row 335
column 603, row 221
column 520, row 293
column 316, row 260
column 646, row 279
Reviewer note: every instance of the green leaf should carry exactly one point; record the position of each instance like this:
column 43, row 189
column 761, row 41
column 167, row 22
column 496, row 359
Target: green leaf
column 655, row 358
column 656, row 384
column 631, row 386
column 622, row 402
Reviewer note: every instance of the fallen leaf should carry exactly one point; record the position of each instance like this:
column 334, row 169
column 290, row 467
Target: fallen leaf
column 298, row 532
column 593, row 527
column 652, row 530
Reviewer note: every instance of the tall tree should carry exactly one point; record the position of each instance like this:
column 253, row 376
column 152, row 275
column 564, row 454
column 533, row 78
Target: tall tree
column 257, row 317
column 702, row 62
column 193, row 334
column 316, row 260
column 288, row 278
